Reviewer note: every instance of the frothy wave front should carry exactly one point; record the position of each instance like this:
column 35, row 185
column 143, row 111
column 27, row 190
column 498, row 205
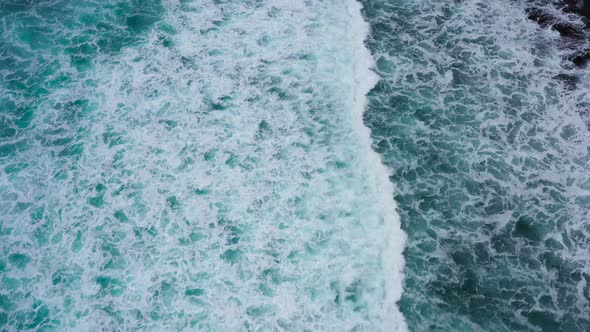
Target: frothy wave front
column 192, row 165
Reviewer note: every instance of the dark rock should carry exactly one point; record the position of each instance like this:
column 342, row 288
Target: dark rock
column 568, row 30
column 580, row 7
column 574, row 35
column 545, row 19
column 539, row 16
column 568, row 81
column 581, row 58
column 586, row 9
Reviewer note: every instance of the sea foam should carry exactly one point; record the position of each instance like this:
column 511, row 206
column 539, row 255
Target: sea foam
column 365, row 79
column 210, row 173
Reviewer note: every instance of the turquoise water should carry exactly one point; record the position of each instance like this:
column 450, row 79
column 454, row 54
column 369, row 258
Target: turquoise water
column 490, row 153
column 192, row 165
column 207, row 166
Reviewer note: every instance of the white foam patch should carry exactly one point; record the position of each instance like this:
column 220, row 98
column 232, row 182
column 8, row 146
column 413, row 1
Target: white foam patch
column 226, row 182
column 392, row 258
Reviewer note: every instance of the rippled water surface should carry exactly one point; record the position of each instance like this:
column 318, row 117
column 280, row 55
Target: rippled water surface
column 206, row 166
column 193, row 165
column 490, row 154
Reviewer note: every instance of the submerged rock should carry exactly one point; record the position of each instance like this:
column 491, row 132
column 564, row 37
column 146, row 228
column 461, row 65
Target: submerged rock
column 575, row 33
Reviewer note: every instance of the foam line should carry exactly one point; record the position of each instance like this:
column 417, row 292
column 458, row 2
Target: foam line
column 366, row 79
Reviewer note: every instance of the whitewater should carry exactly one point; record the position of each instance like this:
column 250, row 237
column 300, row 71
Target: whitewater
column 192, row 166
column 278, row 165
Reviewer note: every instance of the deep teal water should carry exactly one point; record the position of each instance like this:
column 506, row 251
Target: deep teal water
column 490, row 155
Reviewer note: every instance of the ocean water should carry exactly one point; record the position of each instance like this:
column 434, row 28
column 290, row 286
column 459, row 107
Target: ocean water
column 277, row 165
column 490, row 150
column 191, row 165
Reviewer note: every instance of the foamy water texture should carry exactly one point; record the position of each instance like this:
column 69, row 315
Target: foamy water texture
column 191, row 166
column 491, row 149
